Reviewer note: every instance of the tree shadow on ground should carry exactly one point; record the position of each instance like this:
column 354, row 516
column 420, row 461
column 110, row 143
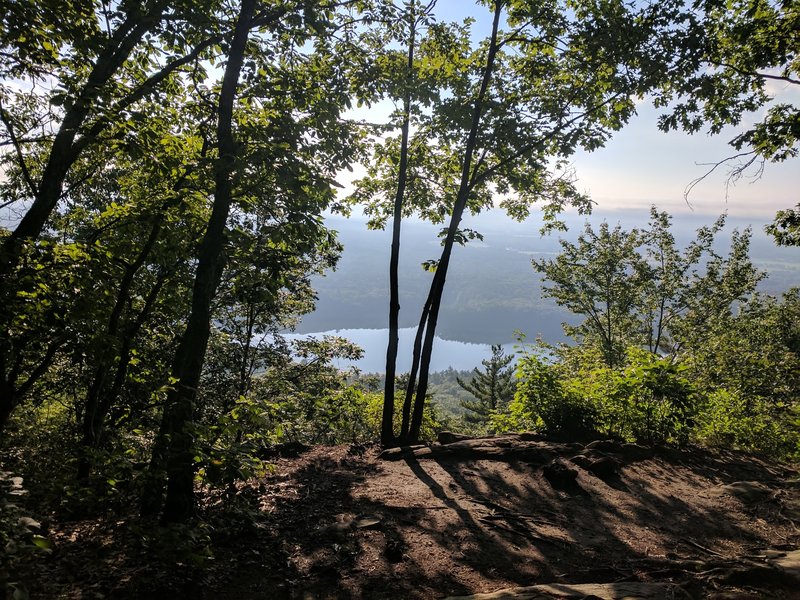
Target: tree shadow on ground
column 447, row 526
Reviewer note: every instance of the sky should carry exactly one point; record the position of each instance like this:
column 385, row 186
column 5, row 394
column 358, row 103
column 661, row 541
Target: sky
column 641, row 165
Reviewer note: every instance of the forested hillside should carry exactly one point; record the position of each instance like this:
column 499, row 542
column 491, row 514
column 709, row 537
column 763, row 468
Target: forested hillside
column 492, row 290
column 168, row 171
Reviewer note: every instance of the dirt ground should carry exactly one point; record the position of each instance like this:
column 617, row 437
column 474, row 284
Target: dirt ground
column 464, row 518
column 432, row 525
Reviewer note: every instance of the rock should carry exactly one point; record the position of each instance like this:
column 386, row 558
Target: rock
column 749, row 492
column 583, row 591
column 30, row 523
column 400, row 452
column 345, row 525
column 367, row 522
column 634, row 452
column 531, row 436
column 789, row 564
column 448, row 437
column 604, row 446
column 602, row 467
column 560, row 475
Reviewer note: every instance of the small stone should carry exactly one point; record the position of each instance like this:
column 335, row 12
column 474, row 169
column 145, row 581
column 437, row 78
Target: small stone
column 367, row 522
column 604, row 446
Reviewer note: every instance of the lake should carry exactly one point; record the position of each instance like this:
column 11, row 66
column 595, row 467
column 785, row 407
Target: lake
column 446, row 353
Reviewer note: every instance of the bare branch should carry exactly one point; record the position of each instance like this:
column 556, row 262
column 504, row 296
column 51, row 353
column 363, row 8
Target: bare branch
column 785, row 78
column 733, row 176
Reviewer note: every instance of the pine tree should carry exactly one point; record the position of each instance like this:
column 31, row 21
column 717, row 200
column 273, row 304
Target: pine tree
column 493, row 388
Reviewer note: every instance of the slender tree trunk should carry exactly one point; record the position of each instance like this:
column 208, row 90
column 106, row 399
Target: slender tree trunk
column 93, row 417
column 180, row 408
column 387, row 423
column 412, row 377
column 7, row 404
column 437, row 286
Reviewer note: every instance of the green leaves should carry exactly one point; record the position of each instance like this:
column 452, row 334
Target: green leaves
column 638, row 288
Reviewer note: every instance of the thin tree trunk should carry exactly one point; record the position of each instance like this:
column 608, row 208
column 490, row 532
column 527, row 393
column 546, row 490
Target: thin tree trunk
column 387, row 423
column 7, row 403
column 180, row 408
column 92, row 417
column 437, row 286
column 412, row 377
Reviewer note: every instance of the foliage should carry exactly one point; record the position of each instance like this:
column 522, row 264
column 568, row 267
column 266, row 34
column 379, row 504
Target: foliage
column 786, row 227
column 492, row 388
column 433, row 419
column 729, row 420
column 638, row 288
column 542, row 401
column 648, row 400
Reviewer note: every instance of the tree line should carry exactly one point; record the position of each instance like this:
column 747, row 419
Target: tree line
column 167, row 165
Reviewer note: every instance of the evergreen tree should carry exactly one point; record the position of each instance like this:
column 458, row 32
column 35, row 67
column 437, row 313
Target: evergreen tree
column 493, row 388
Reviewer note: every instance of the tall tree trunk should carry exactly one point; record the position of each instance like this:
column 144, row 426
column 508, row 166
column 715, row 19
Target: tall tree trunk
column 7, row 403
column 387, row 423
column 412, row 376
column 180, row 406
column 437, row 286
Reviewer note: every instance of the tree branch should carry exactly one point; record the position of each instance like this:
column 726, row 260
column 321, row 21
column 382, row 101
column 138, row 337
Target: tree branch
column 733, row 176
column 32, row 188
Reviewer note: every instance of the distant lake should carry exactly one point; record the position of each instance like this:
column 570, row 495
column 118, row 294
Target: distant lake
column 446, row 353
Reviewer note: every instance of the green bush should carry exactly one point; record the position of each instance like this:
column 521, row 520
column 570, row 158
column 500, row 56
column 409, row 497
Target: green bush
column 727, row 419
column 432, row 420
column 650, row 400
column 543, row 402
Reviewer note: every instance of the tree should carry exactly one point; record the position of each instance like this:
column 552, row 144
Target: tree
column 786, row 227
column 400, row 178
column 97, row 79
column 180, row 408
column 602, row 278
column 278, row 149
column 732, row 56
column 639, row 289
column 101, row 65
column 493, row 387
column 558, row 80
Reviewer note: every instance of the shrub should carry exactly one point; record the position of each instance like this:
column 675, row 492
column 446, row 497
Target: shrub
column 543, row 402
column 728, row 419
column 650, row 400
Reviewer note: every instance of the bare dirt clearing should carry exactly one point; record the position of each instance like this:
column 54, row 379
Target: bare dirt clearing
column 515, row 516
column 480, row 515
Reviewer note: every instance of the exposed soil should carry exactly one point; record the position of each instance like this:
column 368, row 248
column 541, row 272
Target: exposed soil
column 481, row 515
